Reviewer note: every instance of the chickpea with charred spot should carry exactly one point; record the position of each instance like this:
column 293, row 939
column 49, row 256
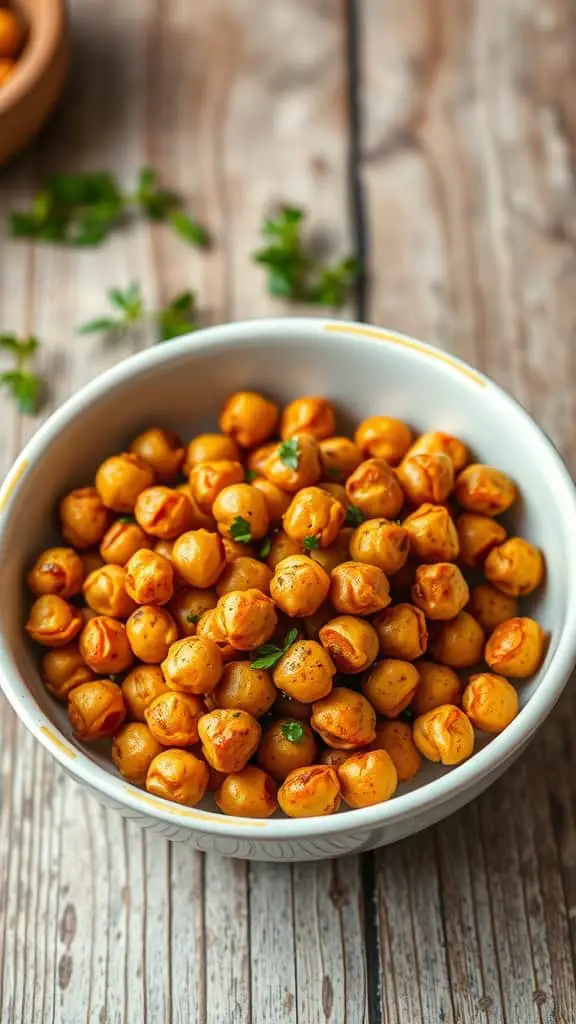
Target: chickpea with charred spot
column 438, row 685
column 193, row 665
column 247, row 617
column 344, row 719
column 402, row 632
column 382, row 543
column 305, row 671
column 440, row 590
column 490, row 702
column 299, row 586
column 105, row 592
column 383, row 437
column 133, row 750
column 490, row 607
column 516, row 648
column 53, row 622
column 209, row 625
column 391, row 686
column 483, row 489
column 368, row 778
column 149, row 578
column 359, row 589
column 310, row 415
column 433, row 534
column 96, row 709
column 444, row 734
column 248, row 418
column 310, row 792
column 179, row 776
column 161, row 450
column 64, row 668
column 314, row 513
column 104, row 645
column 163, row 512
column 151, row 631
column 122, row 540
column 426, row 478
column 173, row 718
column 140, row 687
column 373, row 488
column 57, row 571
column 84, row 518
column 229, row 738
column 351, row 643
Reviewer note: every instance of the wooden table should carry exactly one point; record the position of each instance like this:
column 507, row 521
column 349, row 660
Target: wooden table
column 438, row 139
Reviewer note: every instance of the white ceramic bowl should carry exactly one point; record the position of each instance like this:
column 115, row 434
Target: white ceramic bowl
column 365, row 371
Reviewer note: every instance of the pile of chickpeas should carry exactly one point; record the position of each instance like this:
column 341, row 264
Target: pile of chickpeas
column 281, row 616
column 12, row 36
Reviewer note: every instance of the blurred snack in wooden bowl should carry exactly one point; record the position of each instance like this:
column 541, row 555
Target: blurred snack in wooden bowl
column 33, row 63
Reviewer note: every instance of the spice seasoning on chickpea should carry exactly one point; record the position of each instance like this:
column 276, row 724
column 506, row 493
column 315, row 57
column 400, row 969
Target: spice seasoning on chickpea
column 382, row 543
column 56, row 571
column 193, row 665
column 133, row 750
column 314, row 513
column 515, row 567
column 432, row 532
column 391, row 686
column 173, row 718
column 358, row 589
column 373, row 488
column 310, row 792
column 305, row 671
column 483, row 489
column 402, row 631
column 83, row 517
column 140, row 687
column 179, row 776
column 490, row 607
column 490, row 702
column 438, row 685
column 339, row 457
column 477, row 535
column 244, row 574
column 104, row 645
column 199, row 557
column 344, row 719
column 53, row 622
column 444, row 734
column 516, row 648
column 426, row 478
column 384, row 438
column 151, row 631
column 149, row 578
column 283, row 749
column 351, row 643
column 245, row 688
column 395, row 737
column 161, row 450
column 299, row 586
column 440, row 590
column 247, row 617
column 229, row 738
column 458, row 642
column 368, row 778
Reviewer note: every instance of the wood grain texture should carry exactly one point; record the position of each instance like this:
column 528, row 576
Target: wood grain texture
column 468, row 118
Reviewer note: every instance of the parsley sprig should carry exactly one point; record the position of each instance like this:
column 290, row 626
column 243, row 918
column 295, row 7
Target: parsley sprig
column 23, row 384
column 84, row 207
column 241, row 531
column 289, row 453
column 292, row 731
column 311, row 543
column 269, row 654
column 173, row 320
column 354, row 516
column 294, row 273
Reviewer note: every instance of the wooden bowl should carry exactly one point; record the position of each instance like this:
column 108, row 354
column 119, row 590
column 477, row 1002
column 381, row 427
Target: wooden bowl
column 31, row 93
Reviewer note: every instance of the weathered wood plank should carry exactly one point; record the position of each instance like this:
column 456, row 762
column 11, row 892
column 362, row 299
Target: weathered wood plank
column 468, row 146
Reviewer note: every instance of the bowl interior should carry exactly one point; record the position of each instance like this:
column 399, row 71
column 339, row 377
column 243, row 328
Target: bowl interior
column 182, row 386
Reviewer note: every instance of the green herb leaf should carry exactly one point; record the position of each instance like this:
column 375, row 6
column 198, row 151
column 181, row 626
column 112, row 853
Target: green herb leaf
column 269, row 654
column 192, row 619
column 189, row 229
column 178, row 317
column 289, row 453
column 265, row 547
column 126, row 519
column 293, row 731
column 101, row 325
column 240, row 530
column 310, row 543
column 250, row 475
column 156, row 203
column 354, row 516
column 24, row 387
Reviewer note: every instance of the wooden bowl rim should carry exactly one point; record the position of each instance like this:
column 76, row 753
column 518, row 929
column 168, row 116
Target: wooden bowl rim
column 46, row 34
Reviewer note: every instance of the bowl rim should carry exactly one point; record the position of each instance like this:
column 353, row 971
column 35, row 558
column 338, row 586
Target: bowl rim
column 445, row 789
column 42, row 40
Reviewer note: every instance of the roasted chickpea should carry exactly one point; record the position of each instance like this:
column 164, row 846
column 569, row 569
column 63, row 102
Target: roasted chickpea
column 368, row 778
column 490, row 607
column 209, row 625
column 333, row 758
column 122, row 540
column 179, row 776
column 438, row 685
column 440, row 590
column 374, row 489
column 299, row 586
column 351, row 643
column 188, row 606
column 247, row 617
column 163, row 512
column 379, row 542
column 314, row 513
column 384, row 438
column 477, row 535
column 483, row 489
column 310, row 415
column 516, row 648
column 244, row 688
column 426, row 478
column 310, row 792
column 193, row 665
column 287, row 744
column 281, row 546
column 444, row 734
column 207, row 479
column 515, row 567
column 120, row 479
column 56, row 571
column 249, row 418
column 358, row 589
column 250, row 793
column 173, row 718
column 433, row 536
column 166, row 549
column 277, row 501
column 83, row 518
column 104, row 645
column 294, row 464
column 53, row 622
column 233, row 549
column 229, row 738
column 64, row 668
column 161, row 450
column 201, row 520
column 339, row 457
column 396, row 739
column 133, row 749
column 435, row 442
column 199, row 557
column 96, row 709
column 151, row 631
column 490, row 702
column 140, row 687
column 335, row 553
column 391, row 686
column 105, row 592
column 91, row 560
column 244, row 574
column 402, row 632
column 11, row 34
column 459, row 642
column 344, row 719
column 149, row 578
column 245, row 502
column 211, row 448
column 305, row 671
column 256, row 459
column 337, row 491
